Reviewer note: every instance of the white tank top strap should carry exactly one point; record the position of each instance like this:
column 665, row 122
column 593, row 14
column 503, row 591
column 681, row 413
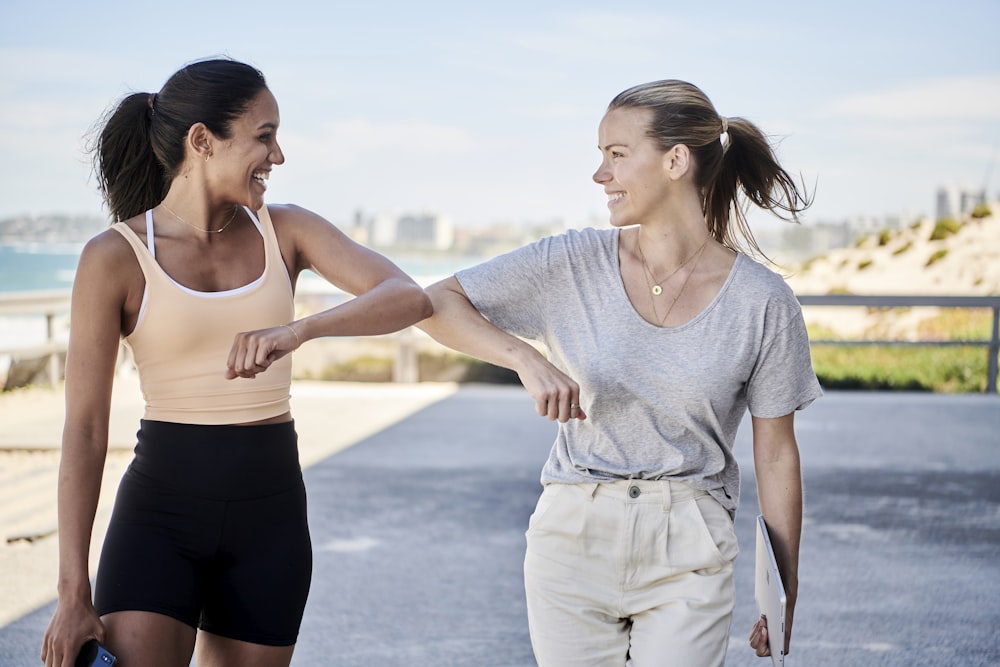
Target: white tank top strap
column 150, row 244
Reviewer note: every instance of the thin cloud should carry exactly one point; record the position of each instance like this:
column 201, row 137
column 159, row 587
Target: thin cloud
column 975, row 97
column 344, row 141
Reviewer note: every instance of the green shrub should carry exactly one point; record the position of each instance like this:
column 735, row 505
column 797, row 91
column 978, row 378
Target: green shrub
column 885, row 367
column 944, row 228
column 903, row 248
column 936, row 256
column 938, row 369
column 884, row 237
column 447, row 367
column 981, row 211
column 365, row 368
column 864, row 264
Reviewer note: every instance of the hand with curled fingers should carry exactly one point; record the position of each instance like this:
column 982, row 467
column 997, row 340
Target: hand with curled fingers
column 556, row 395
column 70, row 627
column 758, row 638
column 253, row 352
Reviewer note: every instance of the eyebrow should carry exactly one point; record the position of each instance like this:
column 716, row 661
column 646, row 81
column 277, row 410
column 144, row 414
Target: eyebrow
column 268, row 125
column 613, row 145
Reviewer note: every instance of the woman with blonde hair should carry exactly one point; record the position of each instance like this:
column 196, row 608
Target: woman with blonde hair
column 661, row 333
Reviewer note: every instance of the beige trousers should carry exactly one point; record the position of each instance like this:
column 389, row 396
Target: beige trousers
column 633, row 572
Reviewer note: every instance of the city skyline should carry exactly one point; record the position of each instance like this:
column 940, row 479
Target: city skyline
column 489, row 114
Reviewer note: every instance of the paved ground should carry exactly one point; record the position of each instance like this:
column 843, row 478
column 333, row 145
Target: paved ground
column 418, row 530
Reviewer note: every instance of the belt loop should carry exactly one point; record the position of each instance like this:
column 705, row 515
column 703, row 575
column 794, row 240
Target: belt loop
column 590, row 489
column 665, row 494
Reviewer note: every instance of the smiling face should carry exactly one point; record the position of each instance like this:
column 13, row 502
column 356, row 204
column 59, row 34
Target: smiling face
column 634, row 169
column 244, row 160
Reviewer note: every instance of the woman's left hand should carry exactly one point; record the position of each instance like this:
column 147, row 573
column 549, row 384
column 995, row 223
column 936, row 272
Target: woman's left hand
column 758, row 638
column 253, row 352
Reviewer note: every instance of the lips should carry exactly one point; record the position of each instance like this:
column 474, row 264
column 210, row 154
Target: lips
column 615, row 197
column 261, row 177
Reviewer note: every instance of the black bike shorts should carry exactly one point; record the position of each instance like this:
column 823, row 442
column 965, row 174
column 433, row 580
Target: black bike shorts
column 209, row 527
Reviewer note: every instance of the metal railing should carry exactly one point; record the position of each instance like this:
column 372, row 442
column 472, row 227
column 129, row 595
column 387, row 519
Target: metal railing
column 51, row 304
column 887, row 301
column 42, row 303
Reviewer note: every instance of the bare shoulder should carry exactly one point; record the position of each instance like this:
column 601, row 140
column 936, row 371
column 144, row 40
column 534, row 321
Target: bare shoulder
column 109, row 246
column 108, row 259
column 285, row 214
column 292, row 221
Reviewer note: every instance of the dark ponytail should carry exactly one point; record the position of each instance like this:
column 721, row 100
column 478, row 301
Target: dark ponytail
column 141, row 145
column 730, row 154
column 130, row 177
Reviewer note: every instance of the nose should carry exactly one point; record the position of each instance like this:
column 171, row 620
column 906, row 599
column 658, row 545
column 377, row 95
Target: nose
column 602, row 175
column 277, row 156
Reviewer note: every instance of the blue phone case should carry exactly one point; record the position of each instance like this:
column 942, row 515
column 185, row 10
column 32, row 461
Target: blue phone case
column 92, row 654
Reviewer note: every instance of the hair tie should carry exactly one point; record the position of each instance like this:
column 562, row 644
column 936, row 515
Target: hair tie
column 724, row 138
column 151, row 101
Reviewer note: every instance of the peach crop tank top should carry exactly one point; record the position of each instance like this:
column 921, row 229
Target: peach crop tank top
column 182, row 339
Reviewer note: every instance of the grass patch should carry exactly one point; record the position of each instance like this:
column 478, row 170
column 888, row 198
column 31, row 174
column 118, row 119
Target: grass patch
column 933, row 369
column 944, row 228
column 981, row 211
column 937, row 256
column 903, row 248
column 446, row 367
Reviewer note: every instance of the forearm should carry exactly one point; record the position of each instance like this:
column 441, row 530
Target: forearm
column 779, row 493
column 390, row 306
column 80, row 473
column 458, row 325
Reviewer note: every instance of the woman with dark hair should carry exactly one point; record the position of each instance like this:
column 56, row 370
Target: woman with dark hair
column 208, row 547
column 661, row 333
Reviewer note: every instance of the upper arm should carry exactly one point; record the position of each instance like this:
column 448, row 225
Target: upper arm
column 105, row 281
column 447, row 288
column 314, row 243
column 774, row 439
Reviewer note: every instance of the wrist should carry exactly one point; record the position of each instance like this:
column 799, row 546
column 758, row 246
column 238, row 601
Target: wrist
column 298, row 338
column 71, row 590
column 524, row 357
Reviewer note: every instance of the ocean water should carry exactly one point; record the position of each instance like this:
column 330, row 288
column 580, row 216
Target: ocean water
column 38, row 266
column 52, row 266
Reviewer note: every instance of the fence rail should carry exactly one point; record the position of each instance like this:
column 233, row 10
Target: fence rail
column 885, row 301
column 52, row 303
column 44, row 303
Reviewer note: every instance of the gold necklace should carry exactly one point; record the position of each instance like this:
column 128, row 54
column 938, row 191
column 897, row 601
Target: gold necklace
column 202, row 229
column 655, row 285
column 649, row 277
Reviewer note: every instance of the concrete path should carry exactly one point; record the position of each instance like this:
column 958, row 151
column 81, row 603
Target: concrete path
column 418, row 531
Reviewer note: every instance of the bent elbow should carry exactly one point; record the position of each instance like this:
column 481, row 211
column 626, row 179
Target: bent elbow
column 419, row 303
column 426, row 308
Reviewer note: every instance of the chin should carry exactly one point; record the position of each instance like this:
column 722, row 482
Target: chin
column 619, row 221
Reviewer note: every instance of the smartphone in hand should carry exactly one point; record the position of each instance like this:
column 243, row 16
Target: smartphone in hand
column 92, row 654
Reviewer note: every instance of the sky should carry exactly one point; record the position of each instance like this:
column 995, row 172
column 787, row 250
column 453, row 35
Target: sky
column 488, row 112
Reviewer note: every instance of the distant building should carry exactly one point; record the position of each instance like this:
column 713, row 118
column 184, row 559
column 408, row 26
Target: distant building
column 955, row 202
column 417, row 231
column 817, row 238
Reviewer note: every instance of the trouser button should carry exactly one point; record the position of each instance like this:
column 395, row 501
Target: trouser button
column 634, row 492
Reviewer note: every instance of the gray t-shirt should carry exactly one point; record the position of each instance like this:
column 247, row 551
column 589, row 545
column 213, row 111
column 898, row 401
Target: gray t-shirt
column 660, row 402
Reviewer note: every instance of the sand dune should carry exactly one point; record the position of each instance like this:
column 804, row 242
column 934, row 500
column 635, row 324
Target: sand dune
column 904, row 262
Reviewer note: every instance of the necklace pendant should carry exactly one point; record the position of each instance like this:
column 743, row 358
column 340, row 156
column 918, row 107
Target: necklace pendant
column 657, row 290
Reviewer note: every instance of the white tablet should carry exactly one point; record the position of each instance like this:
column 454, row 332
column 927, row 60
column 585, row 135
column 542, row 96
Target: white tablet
column 770, row 593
